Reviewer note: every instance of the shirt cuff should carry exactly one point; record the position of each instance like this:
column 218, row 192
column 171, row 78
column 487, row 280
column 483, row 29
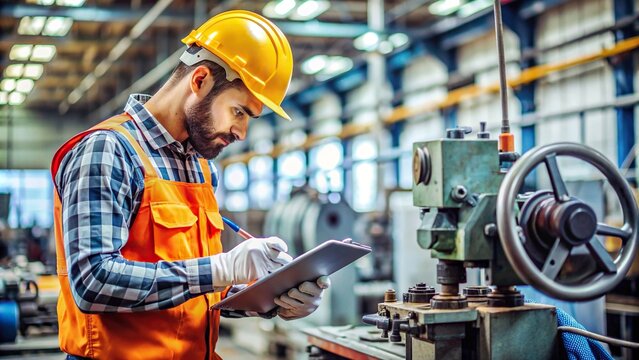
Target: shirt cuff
column 199, row 275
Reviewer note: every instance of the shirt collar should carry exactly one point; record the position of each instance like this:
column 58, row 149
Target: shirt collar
column 155, row 133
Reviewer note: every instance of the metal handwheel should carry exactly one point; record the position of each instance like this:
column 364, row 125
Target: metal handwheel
column 552, row 224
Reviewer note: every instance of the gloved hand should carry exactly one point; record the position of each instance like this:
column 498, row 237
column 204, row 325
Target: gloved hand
column 303, row 300
column 248, row 261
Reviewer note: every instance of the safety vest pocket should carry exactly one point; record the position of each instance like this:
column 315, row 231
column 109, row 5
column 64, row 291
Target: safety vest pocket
column 215, row 227
column 174, row 230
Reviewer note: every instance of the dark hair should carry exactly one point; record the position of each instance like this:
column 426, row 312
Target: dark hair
column 219, row 76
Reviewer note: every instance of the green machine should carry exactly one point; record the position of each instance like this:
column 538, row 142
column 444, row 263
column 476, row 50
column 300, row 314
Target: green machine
column 474, row 214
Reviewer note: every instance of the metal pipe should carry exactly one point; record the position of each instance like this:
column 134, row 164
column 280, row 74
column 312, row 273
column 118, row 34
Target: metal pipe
column 503, row 85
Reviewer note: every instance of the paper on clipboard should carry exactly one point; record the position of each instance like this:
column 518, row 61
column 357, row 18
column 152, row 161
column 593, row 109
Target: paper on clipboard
column 325, row 259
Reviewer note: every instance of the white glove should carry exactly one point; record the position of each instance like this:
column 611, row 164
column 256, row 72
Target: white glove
column 303, row 300
column 248, row 261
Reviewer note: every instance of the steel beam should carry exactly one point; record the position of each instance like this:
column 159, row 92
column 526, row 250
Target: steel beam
column 111, row 14
column 176, row 17
column 624, row 70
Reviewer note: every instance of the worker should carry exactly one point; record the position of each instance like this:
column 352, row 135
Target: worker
column 137, row 224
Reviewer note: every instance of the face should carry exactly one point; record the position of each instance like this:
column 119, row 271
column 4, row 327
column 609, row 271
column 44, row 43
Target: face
column 217, row 121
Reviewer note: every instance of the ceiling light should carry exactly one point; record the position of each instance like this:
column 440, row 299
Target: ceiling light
column 314, row 64
column 336, row 65
column 4, row 97
column 400, row 39
column 31, row 25
column 310, row 9
column 20, row 52
column 25, row 85
column 279, row 9
column 33, row 71
column 43, row 53
column 16, row 98
column 367, row 41
column 57, row 26
column 8, row 84
column 14, row 70
column 41, row 2
column 385, row 47
column 474, row 7
column 71, row 3
column 444, row 7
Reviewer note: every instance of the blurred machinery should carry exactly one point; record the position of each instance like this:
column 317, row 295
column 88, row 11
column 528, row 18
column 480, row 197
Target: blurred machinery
column 27, row 303
column 474, row 215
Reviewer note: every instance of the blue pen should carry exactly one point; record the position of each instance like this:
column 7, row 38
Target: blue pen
column 237, row 229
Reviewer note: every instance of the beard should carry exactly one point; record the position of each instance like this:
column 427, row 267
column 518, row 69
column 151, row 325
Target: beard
column 202, row 134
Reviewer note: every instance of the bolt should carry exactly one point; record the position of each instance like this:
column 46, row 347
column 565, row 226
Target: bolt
column 490, row 230
column 390, row 296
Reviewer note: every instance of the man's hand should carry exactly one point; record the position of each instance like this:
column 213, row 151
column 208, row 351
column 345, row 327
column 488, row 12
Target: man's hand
column 248, row 261
column 303, row 300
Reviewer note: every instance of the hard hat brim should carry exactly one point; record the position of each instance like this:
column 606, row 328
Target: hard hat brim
column 271, row 105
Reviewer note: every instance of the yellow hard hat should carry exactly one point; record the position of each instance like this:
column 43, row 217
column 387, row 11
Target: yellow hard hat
column 253, row 47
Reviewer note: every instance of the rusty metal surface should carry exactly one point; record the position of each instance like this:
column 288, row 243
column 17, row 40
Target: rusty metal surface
column 347, row 341
column 523, row 332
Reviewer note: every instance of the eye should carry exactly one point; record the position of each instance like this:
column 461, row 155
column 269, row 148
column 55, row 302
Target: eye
column 238, row 112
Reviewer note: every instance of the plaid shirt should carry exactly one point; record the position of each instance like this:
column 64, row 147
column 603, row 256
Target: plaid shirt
column 100, row 183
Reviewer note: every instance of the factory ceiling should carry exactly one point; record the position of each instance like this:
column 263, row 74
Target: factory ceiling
column 99, row 49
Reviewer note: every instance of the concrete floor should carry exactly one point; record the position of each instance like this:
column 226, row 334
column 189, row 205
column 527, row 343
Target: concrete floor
column 225, row 348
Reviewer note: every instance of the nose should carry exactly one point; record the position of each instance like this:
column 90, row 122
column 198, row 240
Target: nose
column 239, row 133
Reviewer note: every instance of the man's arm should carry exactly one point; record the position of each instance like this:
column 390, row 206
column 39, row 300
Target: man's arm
column 98, row 183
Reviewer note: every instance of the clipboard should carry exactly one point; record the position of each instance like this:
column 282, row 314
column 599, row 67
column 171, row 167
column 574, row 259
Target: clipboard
column 324, row 259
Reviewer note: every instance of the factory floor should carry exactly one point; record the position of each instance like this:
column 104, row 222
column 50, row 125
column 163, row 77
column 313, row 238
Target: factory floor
column 225, row 348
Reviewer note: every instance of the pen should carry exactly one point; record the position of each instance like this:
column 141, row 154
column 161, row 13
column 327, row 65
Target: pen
column 237, row 229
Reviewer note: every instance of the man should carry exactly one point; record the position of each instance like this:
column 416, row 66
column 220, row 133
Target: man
column 137, row 225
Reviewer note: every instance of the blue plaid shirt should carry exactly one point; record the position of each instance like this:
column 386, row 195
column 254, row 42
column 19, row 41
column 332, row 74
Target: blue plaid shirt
column 100, row 183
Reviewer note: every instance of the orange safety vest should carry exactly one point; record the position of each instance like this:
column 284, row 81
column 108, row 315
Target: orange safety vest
column 175, row 221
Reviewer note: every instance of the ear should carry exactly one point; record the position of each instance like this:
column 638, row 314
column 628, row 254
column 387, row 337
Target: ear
column 201, row 81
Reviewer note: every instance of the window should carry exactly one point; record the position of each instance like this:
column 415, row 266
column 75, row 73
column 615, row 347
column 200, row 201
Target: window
column 364, row 173
column 261, row 189
column 235, row 183
column 326, row 160
column 31, row 197
column 291, row 169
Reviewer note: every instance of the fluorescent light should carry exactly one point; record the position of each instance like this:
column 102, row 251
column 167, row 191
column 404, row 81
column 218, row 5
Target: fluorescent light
column 336, row 65
column 57, row 26
column 14, row 70
column 474, row 7
column 24, row 85
column 43, row 53
column 444, row 7
column 385, row 47
column 41, row 2
column 4, row 97
column 310, row 9
column 279, row 9
column 31, row 25
column 400, row 39
column 20, row 52
column 33, row 71
column 70, row 3
column 16, row 98
column 367, row 41
column 314, row 64
column 8, row 84
column 74, row 96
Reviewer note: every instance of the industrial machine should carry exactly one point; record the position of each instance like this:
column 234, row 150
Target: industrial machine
column 474, row 214
column 24, row 308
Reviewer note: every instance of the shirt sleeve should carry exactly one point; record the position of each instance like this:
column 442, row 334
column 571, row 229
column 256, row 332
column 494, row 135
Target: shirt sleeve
column 100, row 183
